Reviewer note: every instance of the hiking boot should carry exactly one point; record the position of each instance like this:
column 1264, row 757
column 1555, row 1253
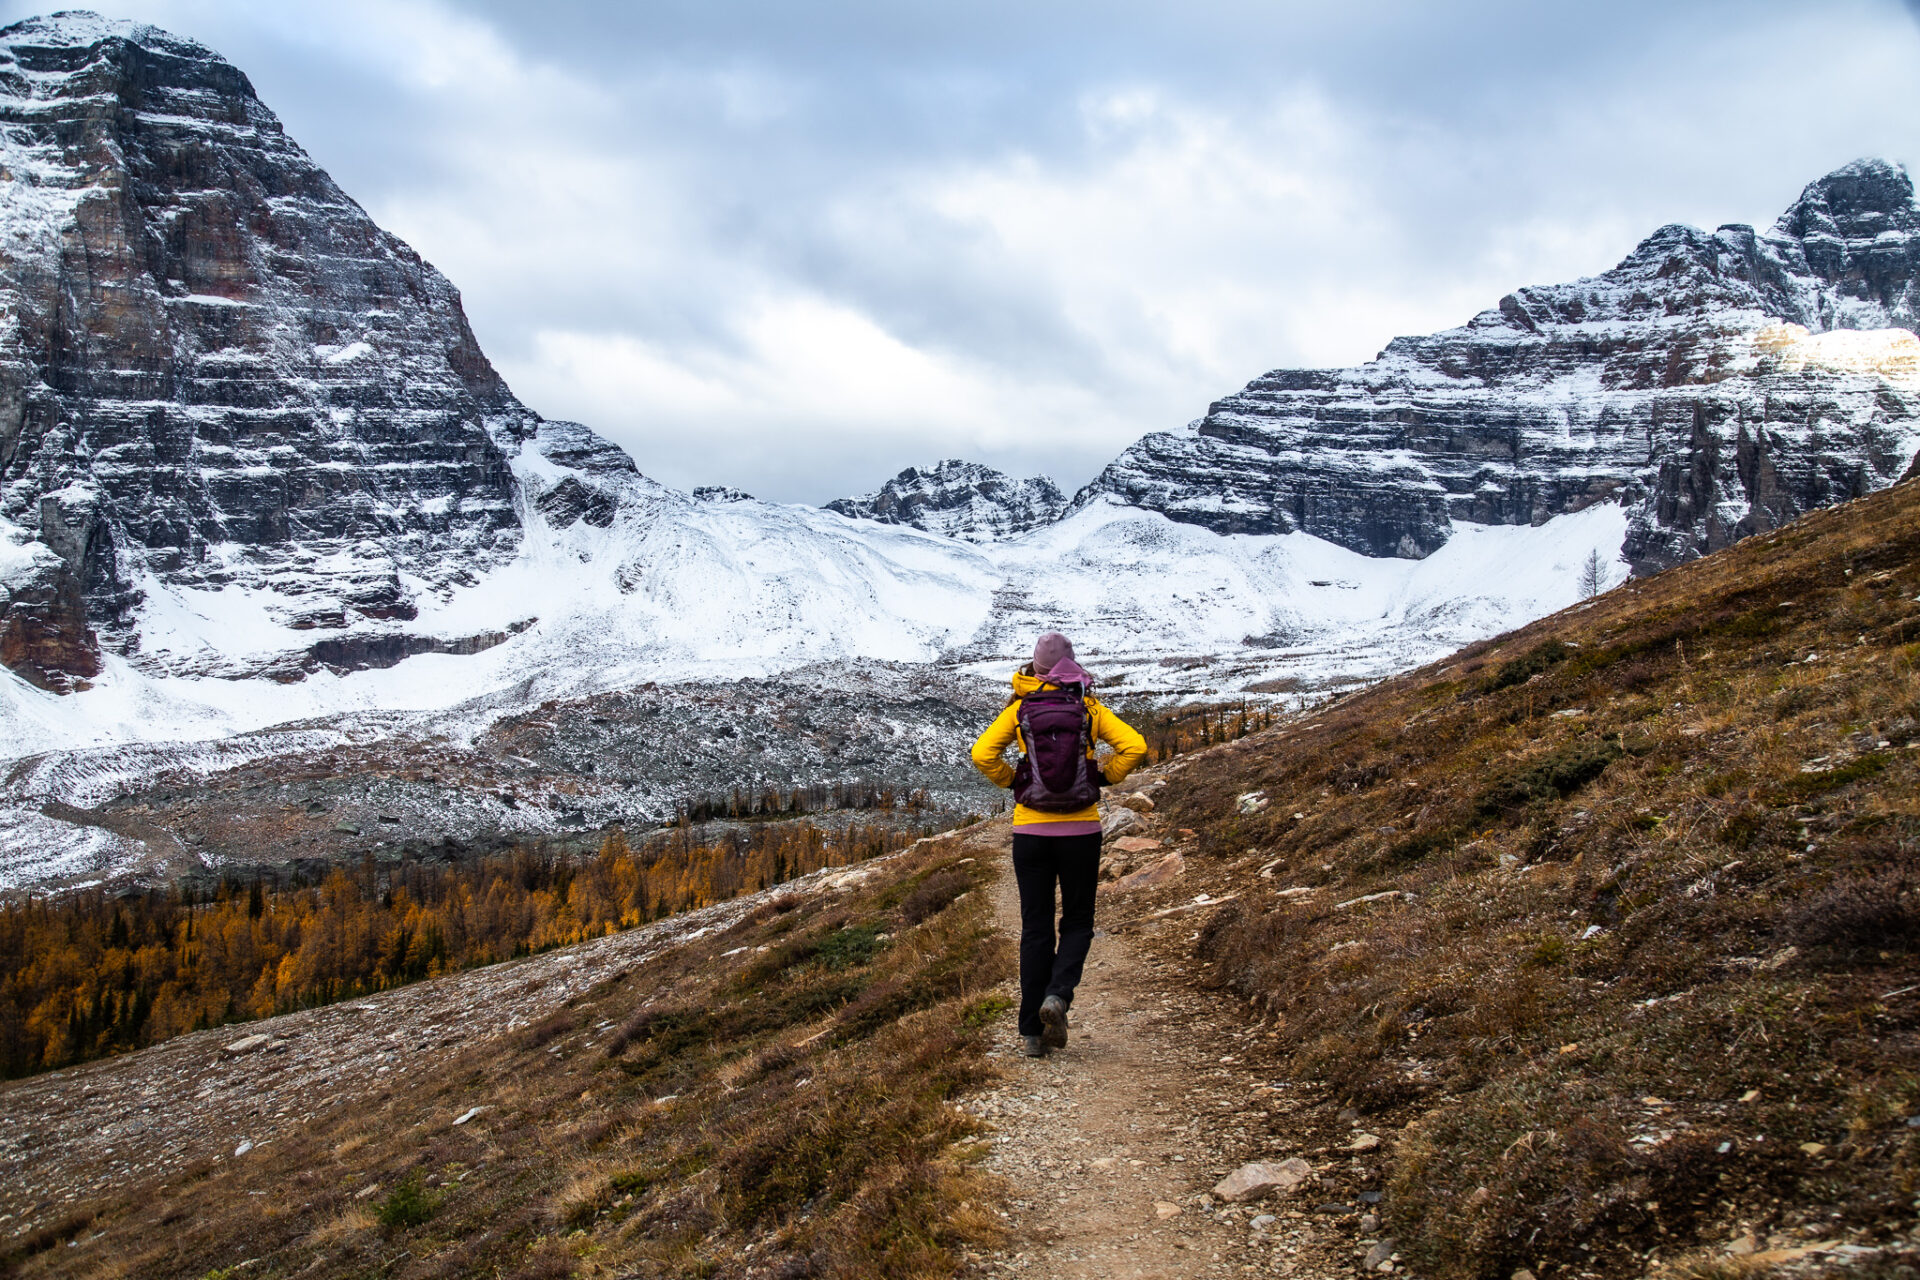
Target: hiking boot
column 1053, row 1022
column 1033, row 1046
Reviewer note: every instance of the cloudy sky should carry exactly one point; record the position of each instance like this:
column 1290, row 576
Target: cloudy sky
column 797, row 247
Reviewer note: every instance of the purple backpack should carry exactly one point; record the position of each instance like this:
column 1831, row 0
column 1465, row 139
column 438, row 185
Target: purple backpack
column 1057, row 774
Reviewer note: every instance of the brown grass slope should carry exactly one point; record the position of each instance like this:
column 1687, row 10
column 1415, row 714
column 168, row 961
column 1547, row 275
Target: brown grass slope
column 1635, row 956
column 772, row 1100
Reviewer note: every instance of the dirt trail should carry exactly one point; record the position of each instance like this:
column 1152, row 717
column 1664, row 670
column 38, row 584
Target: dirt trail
column 1150, row 1104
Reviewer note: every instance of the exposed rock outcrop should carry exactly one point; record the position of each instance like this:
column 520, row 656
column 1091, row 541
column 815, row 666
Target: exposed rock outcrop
column 44, row 635
column 961, row 500
column 1720, row 384
column 217, row 370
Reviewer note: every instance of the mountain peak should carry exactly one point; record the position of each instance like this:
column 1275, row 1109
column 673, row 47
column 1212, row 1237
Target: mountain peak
column 1857, row 201
column 218, row 367
column 1660, row 383
column 960, row 499
column 83, row 29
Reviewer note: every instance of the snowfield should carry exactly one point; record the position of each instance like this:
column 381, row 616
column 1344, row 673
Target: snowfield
column 679, row 588
column 709, row 595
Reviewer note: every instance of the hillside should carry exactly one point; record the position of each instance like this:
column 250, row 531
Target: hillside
column 1608, row 925
column 762, row 1083
column 1589, row 951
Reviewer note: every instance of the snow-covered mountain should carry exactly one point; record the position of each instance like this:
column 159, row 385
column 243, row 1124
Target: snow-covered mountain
column 257, row 450
column 260, row 491
column 960, row 499
column 1716, row 384
column 215, row 370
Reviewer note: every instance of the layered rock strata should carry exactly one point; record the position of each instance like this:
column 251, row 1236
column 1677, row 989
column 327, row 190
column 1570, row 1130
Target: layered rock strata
column 1719, row 384
column 961, row 500
column 214, row 368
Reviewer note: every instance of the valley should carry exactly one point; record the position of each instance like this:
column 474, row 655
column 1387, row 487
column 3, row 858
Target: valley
column 430, row 846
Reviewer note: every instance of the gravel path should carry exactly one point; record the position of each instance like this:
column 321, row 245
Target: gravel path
column 1112, row 1145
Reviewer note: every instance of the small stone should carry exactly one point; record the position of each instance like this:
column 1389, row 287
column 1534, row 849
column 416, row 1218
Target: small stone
column 1750, row 1095
column 469, row 1114
column 1814, row 1148
column 247, row 1044
column 1380, row 1253
column 1364, row 1142
column 1369, row 1223
column 1262, row 1221
column 1138, row 803
column 246, row 1145
column 1479, row 1197
column 1136, row 844
column 1168, row 868
column 1258, row 1178
column 347, row 828
column 1523, row 1274
column 1743, row 1245
column 1164, row 1209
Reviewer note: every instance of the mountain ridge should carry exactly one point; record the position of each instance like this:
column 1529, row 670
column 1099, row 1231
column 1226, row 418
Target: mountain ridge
column 261, row 475
column 964, row 500
column 1697, row 381
column 262, row 441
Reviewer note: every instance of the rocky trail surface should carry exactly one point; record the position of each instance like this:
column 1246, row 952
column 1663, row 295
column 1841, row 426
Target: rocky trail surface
column 1112, row 1148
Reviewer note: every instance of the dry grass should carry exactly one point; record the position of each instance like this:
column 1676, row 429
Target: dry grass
column 1654, row 918
column 674, row 1121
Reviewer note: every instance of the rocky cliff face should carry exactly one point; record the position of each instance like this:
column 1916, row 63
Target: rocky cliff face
column 215, row 370
column 1718, row 384
column 961, row 500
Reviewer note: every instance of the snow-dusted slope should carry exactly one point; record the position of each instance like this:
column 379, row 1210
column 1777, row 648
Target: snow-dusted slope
column 701, row 596
column 962, row 500
column 1719, row 384
column 676, row 588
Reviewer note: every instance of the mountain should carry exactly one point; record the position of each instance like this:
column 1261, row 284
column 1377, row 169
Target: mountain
column 269, row 519
column 961, row 500
column 1717, row 385
column 216, row 372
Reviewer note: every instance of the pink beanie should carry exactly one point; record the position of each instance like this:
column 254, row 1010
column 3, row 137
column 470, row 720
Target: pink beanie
column 1049, row 649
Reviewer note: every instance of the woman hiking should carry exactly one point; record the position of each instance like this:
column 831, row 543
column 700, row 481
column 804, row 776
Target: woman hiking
column 1056, row 722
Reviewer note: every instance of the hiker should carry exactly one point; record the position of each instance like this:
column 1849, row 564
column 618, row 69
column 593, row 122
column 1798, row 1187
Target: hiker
column 1055, row 720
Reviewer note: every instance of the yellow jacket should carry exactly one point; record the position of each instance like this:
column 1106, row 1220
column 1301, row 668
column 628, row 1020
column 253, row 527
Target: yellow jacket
column 1129, row 749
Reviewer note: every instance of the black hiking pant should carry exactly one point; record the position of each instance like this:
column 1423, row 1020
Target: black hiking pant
column 1046, row 970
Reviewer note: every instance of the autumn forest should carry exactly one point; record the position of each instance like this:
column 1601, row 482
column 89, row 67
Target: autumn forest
column 95, row 973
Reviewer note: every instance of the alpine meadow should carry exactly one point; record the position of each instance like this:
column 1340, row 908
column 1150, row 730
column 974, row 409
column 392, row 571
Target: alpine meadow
column 1480, row 782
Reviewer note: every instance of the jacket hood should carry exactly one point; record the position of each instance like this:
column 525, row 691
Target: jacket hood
column 1064, row 672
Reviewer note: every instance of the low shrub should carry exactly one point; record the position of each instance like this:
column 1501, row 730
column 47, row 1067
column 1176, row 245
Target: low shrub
column 1551, row 777
column 408, row 1205
column 1528, row 665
